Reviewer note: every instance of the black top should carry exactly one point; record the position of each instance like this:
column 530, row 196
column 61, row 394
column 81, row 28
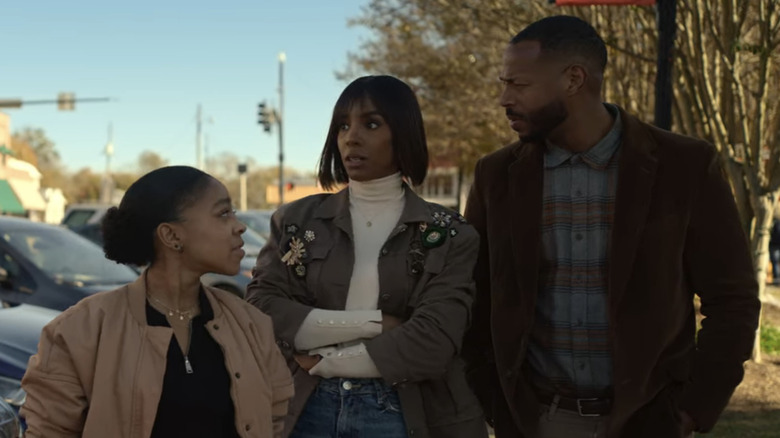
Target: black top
column 196, row 404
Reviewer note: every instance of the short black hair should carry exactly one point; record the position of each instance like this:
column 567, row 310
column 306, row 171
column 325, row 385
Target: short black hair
column 155, row 198
column 568, row 36
column 397, row 104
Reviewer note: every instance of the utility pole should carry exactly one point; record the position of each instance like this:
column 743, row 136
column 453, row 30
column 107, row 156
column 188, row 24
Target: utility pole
column 198, row 125
column 206, row 153
column 267, row 117
column 108, row 186
column 279, row 120
column 666, row 18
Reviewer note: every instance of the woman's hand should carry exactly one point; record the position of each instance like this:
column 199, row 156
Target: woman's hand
column 390, row 322
column 307, row 362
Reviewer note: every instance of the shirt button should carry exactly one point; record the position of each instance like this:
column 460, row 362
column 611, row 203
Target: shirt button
column 384, row 297
column 216, row 326
column 384, row 251
column 248, row 426
column 347, row 385
column 238, row 375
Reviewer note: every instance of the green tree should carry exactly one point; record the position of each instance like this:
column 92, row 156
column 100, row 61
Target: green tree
column 84, row 187
column 149, row 161
column 23, row 150
column 123, row 180
column 33, row 146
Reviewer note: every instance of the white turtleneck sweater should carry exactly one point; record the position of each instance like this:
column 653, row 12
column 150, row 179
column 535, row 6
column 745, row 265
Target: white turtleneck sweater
column 375, row 208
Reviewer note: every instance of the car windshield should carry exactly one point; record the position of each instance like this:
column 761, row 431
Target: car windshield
column 66, row 257
column 257, row 221
column 252, row 238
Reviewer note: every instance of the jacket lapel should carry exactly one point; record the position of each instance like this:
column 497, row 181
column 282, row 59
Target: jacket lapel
column 336, row 207
column 524, row 222
column 636, row 176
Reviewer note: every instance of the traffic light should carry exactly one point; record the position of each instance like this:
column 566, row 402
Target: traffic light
column 264, row 116
column 66, row 101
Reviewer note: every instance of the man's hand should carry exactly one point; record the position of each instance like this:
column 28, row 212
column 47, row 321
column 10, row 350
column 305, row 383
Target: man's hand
column 688, row 425
column 390, row 322
column 307, row 362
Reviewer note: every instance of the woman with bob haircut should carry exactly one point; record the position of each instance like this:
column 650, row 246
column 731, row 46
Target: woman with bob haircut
column 370, row 288
column 164, row 356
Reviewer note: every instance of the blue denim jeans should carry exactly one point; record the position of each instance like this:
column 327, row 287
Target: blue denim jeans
column 351, row 408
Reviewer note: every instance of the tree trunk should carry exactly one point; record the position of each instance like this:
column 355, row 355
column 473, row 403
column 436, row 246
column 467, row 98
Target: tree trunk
column 759, row 242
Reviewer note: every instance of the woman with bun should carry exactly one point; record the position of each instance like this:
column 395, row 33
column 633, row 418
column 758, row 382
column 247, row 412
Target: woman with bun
column 165, row 355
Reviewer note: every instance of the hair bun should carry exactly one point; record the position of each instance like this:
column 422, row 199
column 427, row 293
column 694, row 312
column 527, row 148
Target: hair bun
column 121, row 237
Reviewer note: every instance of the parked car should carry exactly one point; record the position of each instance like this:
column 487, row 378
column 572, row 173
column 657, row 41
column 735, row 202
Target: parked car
column 9, row 422
column 51, row 266
column 20, row 329
column 82, row 214
column 257, row 220
column 235, row 284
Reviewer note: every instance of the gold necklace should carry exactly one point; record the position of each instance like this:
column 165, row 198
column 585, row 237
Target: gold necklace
column 187, row 313
column 181, row 314
column 370, row 220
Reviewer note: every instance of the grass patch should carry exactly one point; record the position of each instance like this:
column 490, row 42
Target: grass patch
column 770, row 339
column 753, row 424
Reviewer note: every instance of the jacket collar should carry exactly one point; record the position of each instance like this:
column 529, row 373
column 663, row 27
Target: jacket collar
column 597, row 157
column 136, row 296
column 336, row 207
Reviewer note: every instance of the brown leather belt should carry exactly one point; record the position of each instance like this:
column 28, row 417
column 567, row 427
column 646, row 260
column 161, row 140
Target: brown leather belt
column 586, row 407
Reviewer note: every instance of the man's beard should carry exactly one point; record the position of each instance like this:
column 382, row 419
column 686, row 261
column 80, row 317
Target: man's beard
column 543, row 121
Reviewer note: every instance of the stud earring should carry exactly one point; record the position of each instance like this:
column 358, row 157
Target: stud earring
column 177, row 247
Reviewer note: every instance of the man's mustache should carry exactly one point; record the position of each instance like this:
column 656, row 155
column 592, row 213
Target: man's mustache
column 511, row 113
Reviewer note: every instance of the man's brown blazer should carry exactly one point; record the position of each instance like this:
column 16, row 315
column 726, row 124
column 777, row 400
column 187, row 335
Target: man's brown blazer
column 676, row 233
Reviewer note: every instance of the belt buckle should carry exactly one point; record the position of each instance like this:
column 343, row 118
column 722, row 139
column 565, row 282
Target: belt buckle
column 579, row 407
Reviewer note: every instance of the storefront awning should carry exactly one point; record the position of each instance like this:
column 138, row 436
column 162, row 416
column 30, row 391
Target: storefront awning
column 9, row 203
column 27, row 193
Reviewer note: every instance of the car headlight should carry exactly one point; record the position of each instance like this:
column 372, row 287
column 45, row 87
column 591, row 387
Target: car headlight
column 9, row 422
column 11, row 392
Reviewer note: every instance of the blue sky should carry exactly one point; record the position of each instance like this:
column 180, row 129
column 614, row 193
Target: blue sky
column 160, row 59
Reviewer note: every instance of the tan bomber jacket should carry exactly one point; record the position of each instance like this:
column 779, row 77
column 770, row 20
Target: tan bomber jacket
column 99, row 368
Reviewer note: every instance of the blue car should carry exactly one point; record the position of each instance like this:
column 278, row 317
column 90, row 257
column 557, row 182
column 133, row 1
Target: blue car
column 20, row 328
column 51, row 266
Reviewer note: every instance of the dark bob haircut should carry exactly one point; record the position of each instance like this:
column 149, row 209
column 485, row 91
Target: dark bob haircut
column 157, row 197
column 567, row 37
column 398, row 105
